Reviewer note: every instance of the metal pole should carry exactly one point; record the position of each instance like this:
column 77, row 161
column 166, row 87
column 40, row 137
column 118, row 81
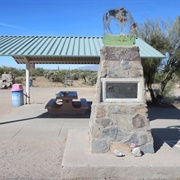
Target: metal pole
column 27, row 82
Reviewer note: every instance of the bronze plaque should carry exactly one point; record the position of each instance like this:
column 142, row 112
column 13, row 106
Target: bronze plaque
column 121, row 90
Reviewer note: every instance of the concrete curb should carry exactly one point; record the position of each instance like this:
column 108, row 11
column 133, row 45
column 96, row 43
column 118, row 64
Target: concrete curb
column 79, row 163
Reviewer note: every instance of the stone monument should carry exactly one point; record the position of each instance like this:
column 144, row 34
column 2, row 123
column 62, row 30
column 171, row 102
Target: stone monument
column 119, row 111
column 118, row 124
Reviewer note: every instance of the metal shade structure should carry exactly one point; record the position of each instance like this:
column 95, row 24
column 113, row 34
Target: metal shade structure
column 60, row 50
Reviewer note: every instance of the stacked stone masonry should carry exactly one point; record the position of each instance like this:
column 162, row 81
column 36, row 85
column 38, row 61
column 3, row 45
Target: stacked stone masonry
column 115, row 125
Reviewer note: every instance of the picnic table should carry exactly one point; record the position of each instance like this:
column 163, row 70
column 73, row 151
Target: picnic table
column 63, row 104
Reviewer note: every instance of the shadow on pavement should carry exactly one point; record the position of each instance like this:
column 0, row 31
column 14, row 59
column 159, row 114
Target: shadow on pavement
column 158, row 143
column 47, row 115
column 163, row 113
column 18, row 120
column 170, row 135
column 86, row 115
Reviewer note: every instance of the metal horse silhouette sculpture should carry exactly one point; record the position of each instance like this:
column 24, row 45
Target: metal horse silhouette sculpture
column 122, row 16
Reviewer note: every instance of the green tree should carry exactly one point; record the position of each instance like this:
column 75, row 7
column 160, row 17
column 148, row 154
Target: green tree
column 172, row 65
column 163, row 36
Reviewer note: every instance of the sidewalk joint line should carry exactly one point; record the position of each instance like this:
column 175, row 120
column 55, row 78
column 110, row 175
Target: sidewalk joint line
column 16, row 133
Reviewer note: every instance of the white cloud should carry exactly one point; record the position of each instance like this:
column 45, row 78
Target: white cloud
column 10, row 26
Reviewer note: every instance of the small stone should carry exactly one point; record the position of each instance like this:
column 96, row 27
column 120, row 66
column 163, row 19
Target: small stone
column 125, row 64
column 148, row 148
column 132, row 139
column 120, row 146
column 118, row 154
column 143, row 139
column 95, row 132
column 99, row 146
column 120, row 135
column 122, row 121
column 138, row 121
column 104, row 122
column 100, row 112
column 110, row 132
column 137, row 152
column 142, row 110
column 115, row 109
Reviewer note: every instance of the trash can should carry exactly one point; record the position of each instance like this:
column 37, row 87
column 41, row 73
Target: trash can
column 17, row 95
column 30, row 83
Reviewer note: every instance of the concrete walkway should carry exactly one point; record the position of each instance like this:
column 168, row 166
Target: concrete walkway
column 32, row 142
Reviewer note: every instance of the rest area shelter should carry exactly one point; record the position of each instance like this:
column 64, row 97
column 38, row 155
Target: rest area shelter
column 60, row 50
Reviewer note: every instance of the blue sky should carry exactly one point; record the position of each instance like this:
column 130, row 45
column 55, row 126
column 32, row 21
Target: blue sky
column 72, row 18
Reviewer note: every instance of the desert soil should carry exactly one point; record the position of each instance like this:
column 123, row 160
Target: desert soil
column 43, row 90
column 44, row 82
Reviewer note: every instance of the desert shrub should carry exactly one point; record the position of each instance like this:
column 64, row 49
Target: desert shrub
column 5, row 69
column 1, row 71
column 74, row 76
column 55, row 76
column 18, row 72
column 48, row 74
column 37, row 72
column 89, row 77
column 19, row 80
column 84, row 75
column 14, row 71
column 92, row 78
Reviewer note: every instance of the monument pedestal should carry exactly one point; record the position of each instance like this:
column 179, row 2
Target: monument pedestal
column 79, row 163
column 119, row 113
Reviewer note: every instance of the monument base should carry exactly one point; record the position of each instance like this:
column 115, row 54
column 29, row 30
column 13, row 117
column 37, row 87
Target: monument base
column 119, row 115
column 80, row 163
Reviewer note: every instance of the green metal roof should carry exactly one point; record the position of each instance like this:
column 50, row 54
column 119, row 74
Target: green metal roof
column 59, row 47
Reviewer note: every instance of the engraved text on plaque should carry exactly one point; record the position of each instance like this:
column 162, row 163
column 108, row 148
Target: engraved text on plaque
column 121, row 90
